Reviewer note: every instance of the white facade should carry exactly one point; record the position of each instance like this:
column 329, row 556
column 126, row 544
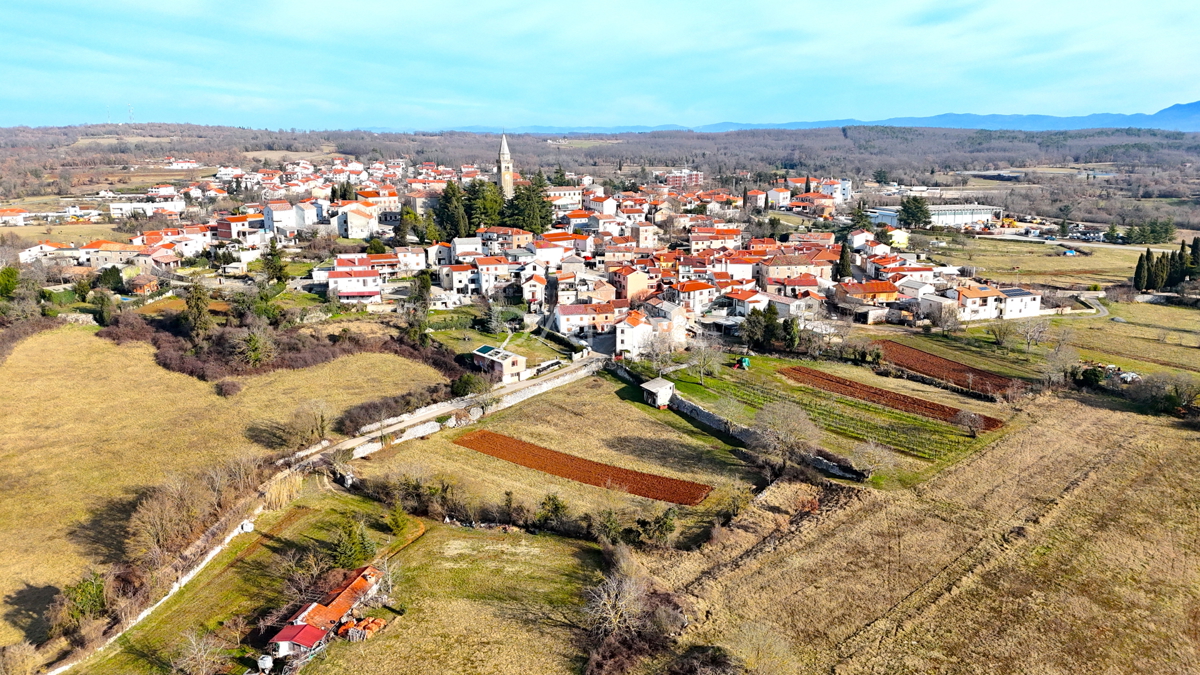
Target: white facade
column 1020, row 304
column 941, row 215
column 124, row 209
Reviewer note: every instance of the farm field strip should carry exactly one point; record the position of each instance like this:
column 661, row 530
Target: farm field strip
column 584, row 470
column 856, row 419
column 957, row 373
column 891, row 399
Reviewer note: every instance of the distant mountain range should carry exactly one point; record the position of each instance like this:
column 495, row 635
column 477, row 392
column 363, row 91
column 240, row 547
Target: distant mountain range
column 1179, row 117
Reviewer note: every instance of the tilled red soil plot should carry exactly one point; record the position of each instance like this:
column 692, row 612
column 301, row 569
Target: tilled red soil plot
column 944, row 369
column 891, row 399
column 584, row 470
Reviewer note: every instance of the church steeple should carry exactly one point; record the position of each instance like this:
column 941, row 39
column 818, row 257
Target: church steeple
column 505, row 168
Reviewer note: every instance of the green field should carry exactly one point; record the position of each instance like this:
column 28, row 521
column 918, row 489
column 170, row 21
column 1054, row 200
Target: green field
column 238, row 582
column 924, row 445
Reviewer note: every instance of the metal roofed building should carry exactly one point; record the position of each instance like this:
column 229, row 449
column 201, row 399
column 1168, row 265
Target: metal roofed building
column 941, row 215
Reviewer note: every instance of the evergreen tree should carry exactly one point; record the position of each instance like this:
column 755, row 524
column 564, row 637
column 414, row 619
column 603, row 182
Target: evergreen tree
column 914, row 213
column 753, row 327
column 1195, row 251
column 483, row 202
column 11, row 276
column 528, row 209
column 110, row 278
column 430, row 228
column 791, row 333
column 1178, row 269
column 844, row 267
column 409, row 222
column 273, row 265
column 1139, row 273
column 807, row 184
column 560, row 177
column 1162, row 272
column 375, row 247
column 771, row 328
column 450, row 214
column 195, row 314
column 859, row 220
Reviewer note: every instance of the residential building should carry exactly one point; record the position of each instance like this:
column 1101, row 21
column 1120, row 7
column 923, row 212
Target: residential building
column 355, row 286
column 585, row 319
column 505, row 366
column 1019, row 303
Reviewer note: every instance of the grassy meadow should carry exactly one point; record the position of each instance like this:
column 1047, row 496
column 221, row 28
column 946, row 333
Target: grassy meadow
column 88, row 424
column 597, row 418
column 1021, row 262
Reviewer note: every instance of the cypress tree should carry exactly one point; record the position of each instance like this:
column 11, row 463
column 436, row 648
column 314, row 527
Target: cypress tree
column 1195, row 251
column 1162, row 271
column 844, row 268
column 1139, row 273
column 1177, row 269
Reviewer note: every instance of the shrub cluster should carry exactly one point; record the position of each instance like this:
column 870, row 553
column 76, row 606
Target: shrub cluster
column 381, row 409
column 170, row 523
column 223, row 352
column 19, row 330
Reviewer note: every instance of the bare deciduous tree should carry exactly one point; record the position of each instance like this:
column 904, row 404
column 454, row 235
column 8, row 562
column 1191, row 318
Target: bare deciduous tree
column 200, row 654
column 783, row 431
column 970, row 421
column 1033, row 331
column 19, row 659
column 706, row 358
column 617, row 606
column 658, row 351
column 1001, row 331
column 945, row 317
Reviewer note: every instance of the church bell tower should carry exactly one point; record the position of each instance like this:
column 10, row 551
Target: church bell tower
column 506, row 169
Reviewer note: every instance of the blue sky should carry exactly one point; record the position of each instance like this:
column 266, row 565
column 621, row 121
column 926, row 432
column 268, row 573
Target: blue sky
column 429, row 65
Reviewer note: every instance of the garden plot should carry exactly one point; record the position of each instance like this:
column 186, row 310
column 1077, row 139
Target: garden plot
column 891, row 399
column 584, row 470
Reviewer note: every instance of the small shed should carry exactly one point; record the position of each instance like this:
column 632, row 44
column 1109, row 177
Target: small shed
column 658, row 392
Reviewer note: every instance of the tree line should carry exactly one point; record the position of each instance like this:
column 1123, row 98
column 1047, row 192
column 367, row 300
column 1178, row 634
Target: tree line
column 1165, row 270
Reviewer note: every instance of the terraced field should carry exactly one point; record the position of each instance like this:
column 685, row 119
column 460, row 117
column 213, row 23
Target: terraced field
column 844, row 417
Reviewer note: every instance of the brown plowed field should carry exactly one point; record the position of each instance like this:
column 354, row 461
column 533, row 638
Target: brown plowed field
column 584, row 470
column 944, row 369
column 891, row 399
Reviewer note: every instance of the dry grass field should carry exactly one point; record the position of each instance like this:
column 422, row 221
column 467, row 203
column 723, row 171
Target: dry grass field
column 80, row 233
column 1061, row 548
column 86, row 424
column 479, row 602
column 591, row 419
column 1020, row 262
column 1153, row 337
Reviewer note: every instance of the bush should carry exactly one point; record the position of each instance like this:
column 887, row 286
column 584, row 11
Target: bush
column 229, row 388
column 10, row 336
column 392, row 406
column 470, row 383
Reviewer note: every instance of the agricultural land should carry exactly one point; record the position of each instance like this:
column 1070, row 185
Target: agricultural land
column 88, row 424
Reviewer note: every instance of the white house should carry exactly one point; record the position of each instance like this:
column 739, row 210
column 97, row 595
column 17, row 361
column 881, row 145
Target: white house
column 280, row 218
column 1019, row 303
column 355, row 286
